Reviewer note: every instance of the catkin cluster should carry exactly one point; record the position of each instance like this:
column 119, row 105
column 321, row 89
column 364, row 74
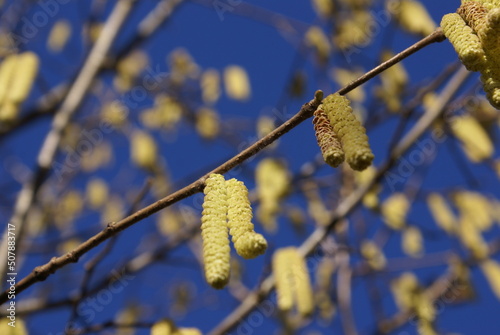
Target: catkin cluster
column 17, row 75
column 226, row 209
column 293, row 284
column 341, row 125
column 474, row 32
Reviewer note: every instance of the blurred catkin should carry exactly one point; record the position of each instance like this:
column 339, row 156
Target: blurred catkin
column 272, row 182
column 441, row 212
column 394, row 210
column 284, row 278
column 293, row 283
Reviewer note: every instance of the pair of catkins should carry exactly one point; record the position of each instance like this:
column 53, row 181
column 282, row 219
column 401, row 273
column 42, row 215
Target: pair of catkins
column 474, row 32
column 226, row 209
column 340, row 135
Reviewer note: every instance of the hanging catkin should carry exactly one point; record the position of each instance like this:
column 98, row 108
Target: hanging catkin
column 465, row 42
column 328, row 141
column 214, row 231
column 474, row 14
column 247, row 242
column 350, row 131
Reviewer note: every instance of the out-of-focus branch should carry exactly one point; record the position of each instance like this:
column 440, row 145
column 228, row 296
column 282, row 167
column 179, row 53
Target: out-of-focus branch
column 40, row 273
column 69, row 106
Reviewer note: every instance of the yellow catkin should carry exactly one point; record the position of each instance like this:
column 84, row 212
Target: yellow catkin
column 394, row 210
column 284, row 278
column 293, row 283
column 475, row 208
column 302, row 283
column 143, row 150
column 207, row 123
column 488, row 33
column 412, row 242
column 7, row 68
column 488, row 4
column 59, row 35
column 210, row 86
column 350, row 131
column 476, row 142
column 247, row 242
column 272, row 181
column 23, row 77
column 317, row 40
column 265, row 125
column 214, row 231
column 164, row 327
column 371, row 198
column 352, row 31
column 169, row 222
column 491, row 270
column 465, row 42
column 491, row 87
column 182, row 66
column 128, row 69
column 237, row 83
column 424, row 307
column 414, row 18
column 404, row 290
column 18, row 329
column 114, row 113
column 343, row 77
column 472, row 238
column 441, row 212
column 324, row 8
column 97, row 193
column 373, row 255
column 395, row 78
column 474, row 14
column 188, row 331
column 327, row 140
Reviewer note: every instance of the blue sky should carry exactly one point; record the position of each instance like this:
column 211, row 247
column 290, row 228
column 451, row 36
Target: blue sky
column 248, row 35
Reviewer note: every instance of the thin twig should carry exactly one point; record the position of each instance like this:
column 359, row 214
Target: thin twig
column 40, row 273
